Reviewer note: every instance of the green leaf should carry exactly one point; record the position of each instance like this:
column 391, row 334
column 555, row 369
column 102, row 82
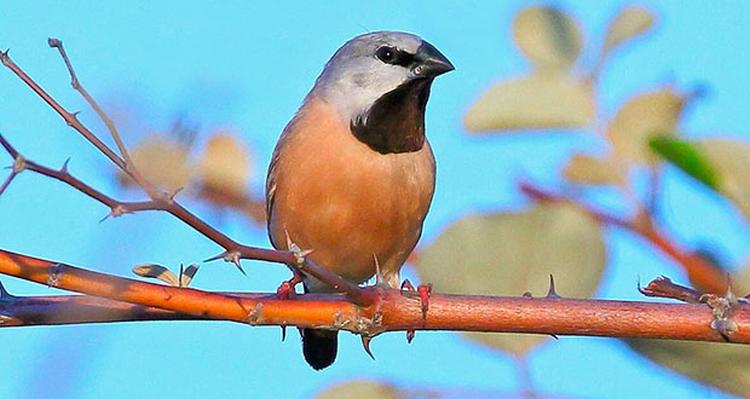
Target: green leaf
column 534, row 102
column 362, row 389
column 686, row 156
column 549, row 37
column 510, row 253
column 640, row 118
column 631, row 22
column 721, row 164
column 724, row 366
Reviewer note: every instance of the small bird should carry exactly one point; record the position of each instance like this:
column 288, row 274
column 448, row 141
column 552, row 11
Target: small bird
column 352, row 175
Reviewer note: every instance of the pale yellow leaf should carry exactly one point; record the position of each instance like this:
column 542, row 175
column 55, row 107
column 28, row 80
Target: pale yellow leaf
column 510, row 253
column 642, row 117
column 226, row 165
column 628, row 24
column 187, row 274
column 157, row 272
column 361, row 389
column 741, row 280
column 535, row 102
column 549, row 37
column 724, row 366
column 162, row 161
column 731, row 160
column 586, row 169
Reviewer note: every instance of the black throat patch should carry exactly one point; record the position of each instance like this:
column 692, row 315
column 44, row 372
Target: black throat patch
column 395, row 122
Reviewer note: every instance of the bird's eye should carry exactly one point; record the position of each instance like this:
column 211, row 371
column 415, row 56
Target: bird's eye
column 386, row 54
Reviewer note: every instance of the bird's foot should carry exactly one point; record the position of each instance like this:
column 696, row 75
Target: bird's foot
column 286, row 289
column 423, row 291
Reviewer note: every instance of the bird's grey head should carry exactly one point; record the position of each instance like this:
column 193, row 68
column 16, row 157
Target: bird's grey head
column 380, row 81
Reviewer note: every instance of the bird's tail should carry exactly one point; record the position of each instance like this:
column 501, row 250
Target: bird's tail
column 319, row 347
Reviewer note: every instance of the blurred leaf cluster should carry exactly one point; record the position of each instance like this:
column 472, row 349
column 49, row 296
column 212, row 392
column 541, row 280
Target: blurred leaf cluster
column 220, row 174
column 513, row 252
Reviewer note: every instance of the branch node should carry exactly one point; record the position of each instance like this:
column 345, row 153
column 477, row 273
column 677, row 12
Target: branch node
column 5, row 57
column 721, row 309
column 299, row 253
column 255, row 316
column 54, row 273
column 233, row 257
column 19, row 164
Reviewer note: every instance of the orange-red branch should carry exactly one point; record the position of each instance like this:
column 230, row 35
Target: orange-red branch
column 391, row 310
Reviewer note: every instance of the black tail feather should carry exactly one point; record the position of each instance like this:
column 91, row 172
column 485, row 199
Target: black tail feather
column 319, row 347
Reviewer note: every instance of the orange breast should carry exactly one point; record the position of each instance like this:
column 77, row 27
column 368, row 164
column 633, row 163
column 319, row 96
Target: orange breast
column 335, row 195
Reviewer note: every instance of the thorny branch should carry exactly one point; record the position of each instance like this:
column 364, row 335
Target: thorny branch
column 371, row 311
column 704, row 275
column 233, row 251
column 391, row 310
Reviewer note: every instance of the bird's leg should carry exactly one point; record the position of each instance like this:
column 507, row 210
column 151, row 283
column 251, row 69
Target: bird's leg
column 286, row 289
column 423, row 291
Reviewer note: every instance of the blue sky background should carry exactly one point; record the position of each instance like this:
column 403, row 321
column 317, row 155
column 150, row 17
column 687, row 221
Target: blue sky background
column 248, row 66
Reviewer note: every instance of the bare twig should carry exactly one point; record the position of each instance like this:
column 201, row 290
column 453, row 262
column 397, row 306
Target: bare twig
column 233, row 251
column 663, row 287
column 76, row 84
column 389, row 311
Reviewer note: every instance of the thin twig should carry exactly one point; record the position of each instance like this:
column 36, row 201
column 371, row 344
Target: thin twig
column 391, row 310
column 663, row 287
column 233, row 251
column 76, row 84
column 704, row 275
column 68, row 117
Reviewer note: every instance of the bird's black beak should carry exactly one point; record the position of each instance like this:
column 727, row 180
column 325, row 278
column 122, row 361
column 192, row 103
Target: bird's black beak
column 430, row 62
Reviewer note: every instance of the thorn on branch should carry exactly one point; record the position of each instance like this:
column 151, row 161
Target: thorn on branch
column 551, row 292
column 64, row 167
column 233, row 257
column 4, row 294
column 115, row 212
column 366, row 339
column 299, row 253
column 410, row 336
